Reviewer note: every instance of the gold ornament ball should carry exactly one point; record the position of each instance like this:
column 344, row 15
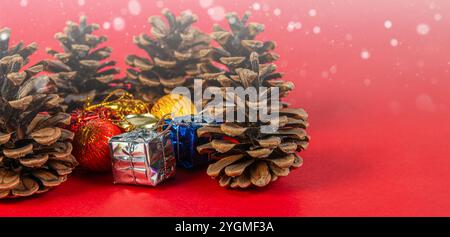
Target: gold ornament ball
column 174, row 104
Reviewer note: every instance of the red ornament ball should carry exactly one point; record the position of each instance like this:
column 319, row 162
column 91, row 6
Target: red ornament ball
column 90, row 145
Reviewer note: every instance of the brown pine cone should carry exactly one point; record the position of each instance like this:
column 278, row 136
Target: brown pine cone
column 82, row 70
column 255, row 156
column 35, row 153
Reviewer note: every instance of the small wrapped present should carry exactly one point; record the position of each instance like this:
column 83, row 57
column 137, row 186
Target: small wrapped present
column 142, row 157
column 183, row 135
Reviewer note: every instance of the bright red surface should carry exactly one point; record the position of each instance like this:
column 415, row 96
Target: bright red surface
column 380, row 127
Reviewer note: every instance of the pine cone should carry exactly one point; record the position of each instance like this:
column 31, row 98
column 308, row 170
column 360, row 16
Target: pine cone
column 35, row 153
column 252, row 155
column 173, row 50
column 82, row 71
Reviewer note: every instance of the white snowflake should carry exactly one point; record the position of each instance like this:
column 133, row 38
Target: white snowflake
column 437, row 17
column 423, row 29
column 206, row 3
column 256, row 6
column 134, row 7
column 394, row 42
column 119, row 23
column 388, row 24
column 365, row 54
column 160, row 4
column 217, row 13
column 106, row 25
column 4, row 36
column 277, row 11
column 316, row 30
column 292, row 25
column 23, row 3
column 312, row 12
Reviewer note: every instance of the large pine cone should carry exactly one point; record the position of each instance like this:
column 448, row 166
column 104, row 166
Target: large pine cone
column 252, row 156
column 35, row 153
column 82, row 70
column 174, row 50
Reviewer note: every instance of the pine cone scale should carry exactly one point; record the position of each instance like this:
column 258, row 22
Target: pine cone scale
column 215, row 169
column 260, row 174
column 237, row 169
column 18, row 152
column 48, row 179
column 8, row 179
column 283, row 162
column 26, row 187
column 4, row 138
column 35, row 161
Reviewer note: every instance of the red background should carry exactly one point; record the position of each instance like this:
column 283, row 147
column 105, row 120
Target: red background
column 380, row 126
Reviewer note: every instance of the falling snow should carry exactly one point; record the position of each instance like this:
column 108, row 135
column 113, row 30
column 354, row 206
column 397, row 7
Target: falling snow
column 4, row 36
column 316, row 30
column 206, row 3
column 423, row 29
column 437, row 17
column 134, row 7
column 23, row 3
column 232, row 20
column 312, row 12
column 277, row 11
column 292, row 25
column 106, row 25
column 365, row 54
column 388, row 24
column 217, row 13
column 119, row 23
column 256, row 6
column 394, row 42
column 390, row 28
column 160, row 3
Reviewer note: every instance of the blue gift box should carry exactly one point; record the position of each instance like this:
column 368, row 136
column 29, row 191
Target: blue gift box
column 183, row 135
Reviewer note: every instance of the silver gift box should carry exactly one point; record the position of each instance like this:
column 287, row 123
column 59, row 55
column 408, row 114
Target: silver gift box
column 142, row 157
